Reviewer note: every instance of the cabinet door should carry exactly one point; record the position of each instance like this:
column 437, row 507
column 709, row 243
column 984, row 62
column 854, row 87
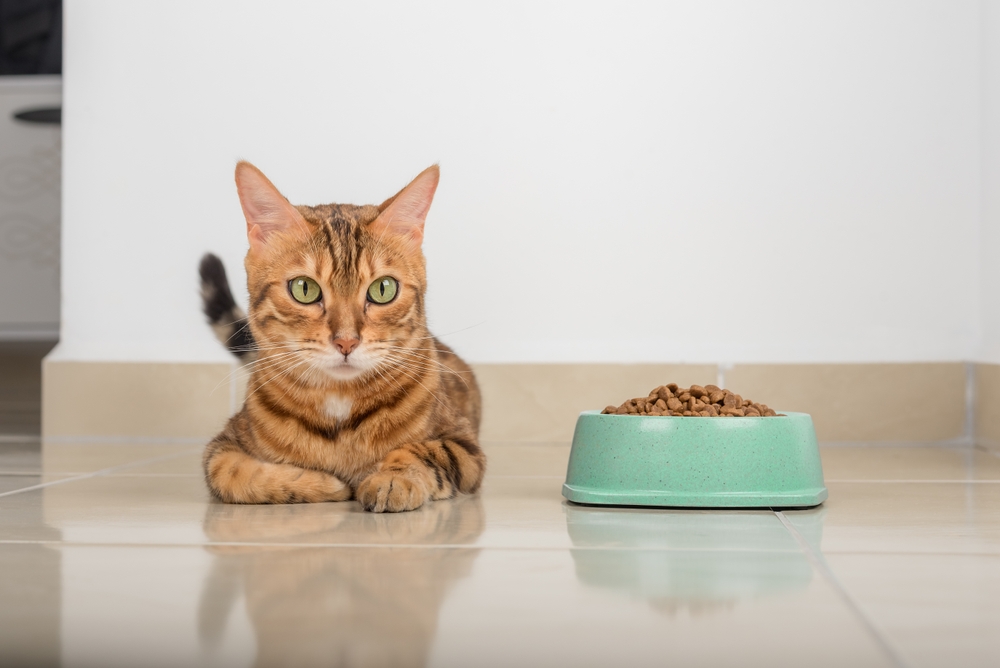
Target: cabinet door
column 30, row 156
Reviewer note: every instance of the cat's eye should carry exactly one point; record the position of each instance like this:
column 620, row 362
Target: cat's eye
column 383, row 290
column 304, row 290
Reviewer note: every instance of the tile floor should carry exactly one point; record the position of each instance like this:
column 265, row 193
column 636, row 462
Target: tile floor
column 114, row 555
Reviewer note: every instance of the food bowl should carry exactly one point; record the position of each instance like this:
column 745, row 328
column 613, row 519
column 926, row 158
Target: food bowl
column 695, row 462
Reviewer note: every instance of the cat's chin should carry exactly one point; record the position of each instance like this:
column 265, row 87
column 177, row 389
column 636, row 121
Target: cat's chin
column 343, row 371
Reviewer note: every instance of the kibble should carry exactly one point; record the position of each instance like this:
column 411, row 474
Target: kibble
column 694, row 401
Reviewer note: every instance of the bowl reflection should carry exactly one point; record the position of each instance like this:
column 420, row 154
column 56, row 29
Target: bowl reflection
column 698, row 561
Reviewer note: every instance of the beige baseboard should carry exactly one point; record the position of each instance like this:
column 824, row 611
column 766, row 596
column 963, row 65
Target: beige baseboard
column 987, row 406
column 136, row 400
column 540, row 402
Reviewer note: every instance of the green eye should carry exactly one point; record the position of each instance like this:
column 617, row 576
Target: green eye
column 304, row 289
column 383, row 290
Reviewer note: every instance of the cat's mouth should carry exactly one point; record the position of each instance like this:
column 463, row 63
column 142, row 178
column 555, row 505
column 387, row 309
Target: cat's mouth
column 345, row 367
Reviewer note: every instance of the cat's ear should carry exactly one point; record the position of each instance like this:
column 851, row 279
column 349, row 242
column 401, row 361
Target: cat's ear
column 404, row 213
column 266, row 210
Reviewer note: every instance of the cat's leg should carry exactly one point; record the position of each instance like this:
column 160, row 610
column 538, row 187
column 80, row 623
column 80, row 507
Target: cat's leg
column 234, row 476
column 418, row 472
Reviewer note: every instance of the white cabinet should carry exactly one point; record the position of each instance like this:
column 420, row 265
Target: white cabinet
column 30, row 156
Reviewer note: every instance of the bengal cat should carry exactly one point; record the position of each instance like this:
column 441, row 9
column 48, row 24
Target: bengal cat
column 349, row 396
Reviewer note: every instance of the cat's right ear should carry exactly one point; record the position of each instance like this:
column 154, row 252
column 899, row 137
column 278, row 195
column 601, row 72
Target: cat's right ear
column 266, row 210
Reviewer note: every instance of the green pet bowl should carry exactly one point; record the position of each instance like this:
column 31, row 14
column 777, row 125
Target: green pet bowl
column 695, row 462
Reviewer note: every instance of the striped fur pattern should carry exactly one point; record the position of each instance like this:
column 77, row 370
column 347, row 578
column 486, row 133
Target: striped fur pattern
column 347, row 398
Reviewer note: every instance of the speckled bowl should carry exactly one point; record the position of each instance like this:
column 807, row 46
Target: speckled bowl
column 693, row 462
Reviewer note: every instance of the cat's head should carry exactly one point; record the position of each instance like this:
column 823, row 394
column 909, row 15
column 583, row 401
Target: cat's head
column 342, row 284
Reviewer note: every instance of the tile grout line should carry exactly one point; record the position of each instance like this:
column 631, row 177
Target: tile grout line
column 101, row 472
column 475, row 546
column 408, row 546
column 820, row 565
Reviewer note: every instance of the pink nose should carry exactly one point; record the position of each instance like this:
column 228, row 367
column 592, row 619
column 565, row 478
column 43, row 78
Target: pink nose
column 345, row 345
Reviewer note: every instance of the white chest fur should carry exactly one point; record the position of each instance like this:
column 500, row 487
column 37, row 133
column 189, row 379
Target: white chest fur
column 338, row 407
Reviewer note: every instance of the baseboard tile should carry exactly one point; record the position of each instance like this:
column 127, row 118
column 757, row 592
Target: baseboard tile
column 144, row 402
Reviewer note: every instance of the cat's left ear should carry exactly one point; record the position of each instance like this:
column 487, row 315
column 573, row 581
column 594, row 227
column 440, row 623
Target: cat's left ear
column 404, row 213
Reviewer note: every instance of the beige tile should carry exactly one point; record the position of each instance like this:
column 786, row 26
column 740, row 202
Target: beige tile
column 987, row 410
column 535, row 459
column 937, row 610
column 540, row 402
column 442, row 607
column 186, row 463
column 131, row 399
column 12, row 483
column 887, row 462
column 652, row 608
column 863, row 402
column 908, row 518
column 90, row 457
column 32, row 592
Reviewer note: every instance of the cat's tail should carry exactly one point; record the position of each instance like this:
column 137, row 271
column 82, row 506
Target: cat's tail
column 226, row 318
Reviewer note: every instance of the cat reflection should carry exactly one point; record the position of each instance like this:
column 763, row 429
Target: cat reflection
column 338, row 606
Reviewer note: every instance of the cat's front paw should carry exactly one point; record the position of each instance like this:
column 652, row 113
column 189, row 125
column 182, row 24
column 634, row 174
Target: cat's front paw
column 392, row 492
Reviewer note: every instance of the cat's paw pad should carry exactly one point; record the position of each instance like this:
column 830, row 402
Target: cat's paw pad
column 391, row 492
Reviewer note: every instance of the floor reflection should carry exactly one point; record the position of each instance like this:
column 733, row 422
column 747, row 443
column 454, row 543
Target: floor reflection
column 31, row 576
column 343, row 606
column 697, row 562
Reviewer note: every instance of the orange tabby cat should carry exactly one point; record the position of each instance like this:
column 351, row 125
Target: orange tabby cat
column 349, row 394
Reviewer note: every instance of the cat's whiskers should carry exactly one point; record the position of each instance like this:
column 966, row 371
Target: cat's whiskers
column 426, row 362
column 402, row 368
column 252, row 366
column 291, row 366
column 429, row 336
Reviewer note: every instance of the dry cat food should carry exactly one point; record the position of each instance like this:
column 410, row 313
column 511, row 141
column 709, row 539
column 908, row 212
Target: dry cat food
column 694, row 401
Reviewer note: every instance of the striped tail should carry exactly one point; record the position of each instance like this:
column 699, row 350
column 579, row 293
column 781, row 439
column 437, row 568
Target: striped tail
column 227, row 319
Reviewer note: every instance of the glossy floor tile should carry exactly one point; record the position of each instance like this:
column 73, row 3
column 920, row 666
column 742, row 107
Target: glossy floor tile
column 113, row 554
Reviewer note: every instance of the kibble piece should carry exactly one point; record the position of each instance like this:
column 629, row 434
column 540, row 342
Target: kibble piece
column 660, row 404
column 717, row 396
column 697, row 391
column 674, row 404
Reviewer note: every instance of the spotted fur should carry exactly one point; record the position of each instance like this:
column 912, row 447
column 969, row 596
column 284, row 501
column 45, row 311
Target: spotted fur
column 392, row 422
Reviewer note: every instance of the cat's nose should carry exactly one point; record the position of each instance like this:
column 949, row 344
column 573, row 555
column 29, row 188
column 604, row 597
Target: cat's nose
column 346, row 345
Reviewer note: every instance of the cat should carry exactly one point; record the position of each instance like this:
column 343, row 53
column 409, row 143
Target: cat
column 349, row 394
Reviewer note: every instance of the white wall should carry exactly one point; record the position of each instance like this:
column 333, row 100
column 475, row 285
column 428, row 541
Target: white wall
column 990, row 239
column 688, row 181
